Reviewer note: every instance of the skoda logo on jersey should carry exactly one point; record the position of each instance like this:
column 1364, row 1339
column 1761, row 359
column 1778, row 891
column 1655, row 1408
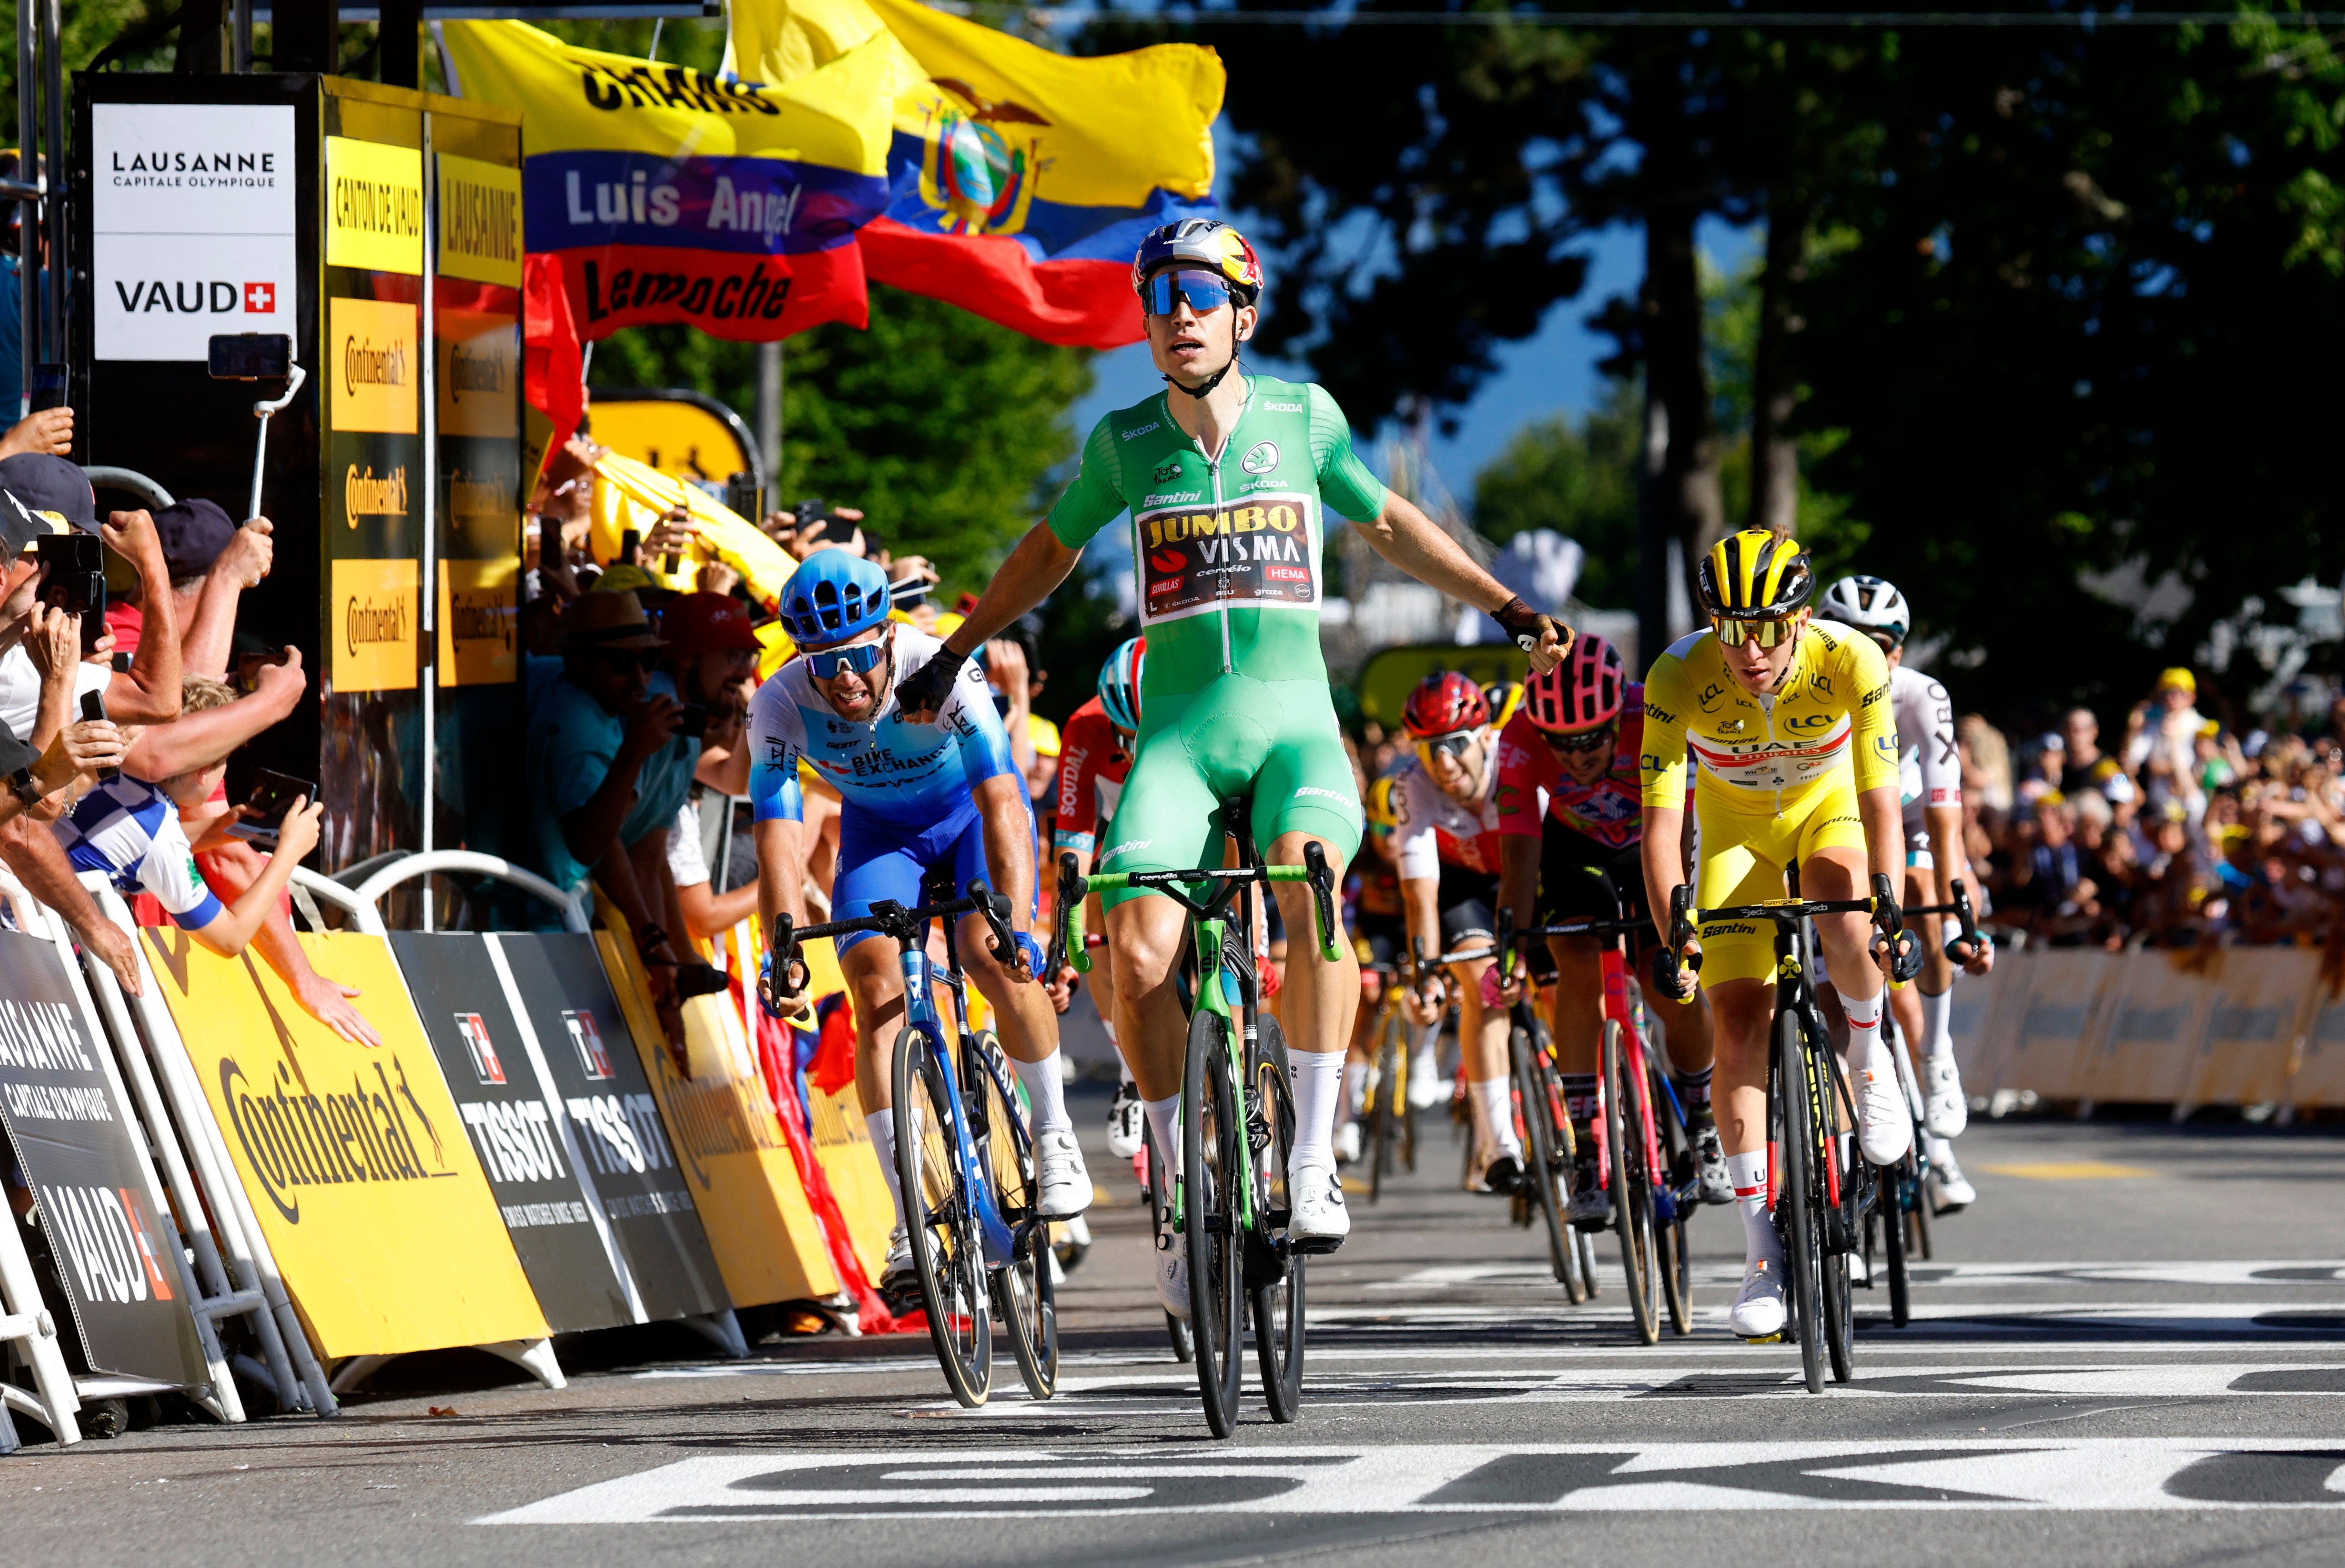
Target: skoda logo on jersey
column 1261, row 458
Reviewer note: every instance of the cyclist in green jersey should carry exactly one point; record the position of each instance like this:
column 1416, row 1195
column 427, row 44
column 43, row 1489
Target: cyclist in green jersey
column 1228, row 479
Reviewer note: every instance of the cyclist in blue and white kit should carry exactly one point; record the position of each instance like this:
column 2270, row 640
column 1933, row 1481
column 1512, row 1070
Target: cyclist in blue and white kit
column 945, row 796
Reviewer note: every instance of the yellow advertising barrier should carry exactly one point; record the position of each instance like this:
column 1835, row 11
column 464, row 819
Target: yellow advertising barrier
column 2319, row 1079
column 366, row 1185
column 841, row 1141
column 2254, row 1029
column 2055, row 1030
column 2158, row 1010
column 721, row 1122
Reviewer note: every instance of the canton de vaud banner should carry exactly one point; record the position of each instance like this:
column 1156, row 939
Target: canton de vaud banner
column 672, row 196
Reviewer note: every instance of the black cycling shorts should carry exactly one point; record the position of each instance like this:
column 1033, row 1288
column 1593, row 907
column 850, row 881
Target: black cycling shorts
column 1566, row 890
column 1469, row 902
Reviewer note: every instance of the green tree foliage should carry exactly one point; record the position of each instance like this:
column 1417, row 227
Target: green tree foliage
column 942, row 427
column 1579, row 479
column 2087, row 317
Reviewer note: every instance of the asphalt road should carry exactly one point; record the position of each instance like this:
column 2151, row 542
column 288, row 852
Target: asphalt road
column 2131, row 1351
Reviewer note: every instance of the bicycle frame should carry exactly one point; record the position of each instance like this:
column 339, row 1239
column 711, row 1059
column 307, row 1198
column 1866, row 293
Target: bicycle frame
column 999, row 1240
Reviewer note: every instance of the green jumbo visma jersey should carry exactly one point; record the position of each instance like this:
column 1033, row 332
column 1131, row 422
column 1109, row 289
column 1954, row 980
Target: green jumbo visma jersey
column 1226, row 552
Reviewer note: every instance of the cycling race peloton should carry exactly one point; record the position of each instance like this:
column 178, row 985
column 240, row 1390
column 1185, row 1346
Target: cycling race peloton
column 1789, row 718
column 1095, row 753
column 1445, row 822
column 1225, row 475
column 917, row 797
column 1575, row 744
column 1930, row 780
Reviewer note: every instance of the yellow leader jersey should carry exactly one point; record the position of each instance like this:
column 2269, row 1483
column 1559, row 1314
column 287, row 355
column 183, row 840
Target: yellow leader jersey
column 1765, row 756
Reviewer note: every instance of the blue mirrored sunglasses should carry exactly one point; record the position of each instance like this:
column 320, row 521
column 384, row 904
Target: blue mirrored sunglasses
column 1206, row 292
column 861, row 658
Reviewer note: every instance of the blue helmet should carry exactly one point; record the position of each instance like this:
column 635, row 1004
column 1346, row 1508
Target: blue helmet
column 1119, row 684
column 833, row 596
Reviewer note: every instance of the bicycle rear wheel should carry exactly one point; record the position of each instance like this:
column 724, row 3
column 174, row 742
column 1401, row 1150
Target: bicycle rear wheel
column 941, row 1219
column 1155, row 1191
column 1632, row 1191
column 1384, row 1118
column 1902, row 1188
column 1544, row 1161
column 1274, row 1281
column 1799, row 1204
column 1210, row 1129
column 1022, row 1293
column 1670, row 1235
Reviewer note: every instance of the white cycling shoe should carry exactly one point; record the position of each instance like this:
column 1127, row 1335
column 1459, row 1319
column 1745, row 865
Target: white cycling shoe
column 1947, row 1112
column 1173, row 1272
column 1347, row 1143
column 1125, row 1119
column 1426, row 1086
column 1059, row 1172
column 1757, row 1309
column 1884, row 1121
column 1318, row 1222
column 1948, row 1187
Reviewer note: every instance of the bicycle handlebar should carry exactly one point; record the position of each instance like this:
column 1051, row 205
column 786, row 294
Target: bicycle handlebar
column 786, row 974
column 1966, row 916
column 1070, row 947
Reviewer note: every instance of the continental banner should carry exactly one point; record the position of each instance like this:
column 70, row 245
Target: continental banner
column 525, row 1144
column 760, row 1225
column 357, row 1160
column 555, row 983
column 82, row 1159
column 2255, row 1030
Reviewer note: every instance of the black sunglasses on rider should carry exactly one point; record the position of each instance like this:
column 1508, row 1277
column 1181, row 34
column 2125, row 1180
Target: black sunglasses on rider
column 1596, row 740
column 1456, row 745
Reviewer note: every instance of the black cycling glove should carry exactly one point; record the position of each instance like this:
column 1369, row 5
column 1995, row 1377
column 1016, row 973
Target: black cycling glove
column 1526, row 625
column 929, row 686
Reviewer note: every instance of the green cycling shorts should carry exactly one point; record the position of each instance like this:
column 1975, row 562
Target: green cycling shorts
column 1275, row 740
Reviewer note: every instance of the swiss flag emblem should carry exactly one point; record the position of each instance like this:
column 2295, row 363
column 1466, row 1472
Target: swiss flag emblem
column 260, row 298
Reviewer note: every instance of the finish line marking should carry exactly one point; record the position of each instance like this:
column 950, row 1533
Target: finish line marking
column 2116, row 1475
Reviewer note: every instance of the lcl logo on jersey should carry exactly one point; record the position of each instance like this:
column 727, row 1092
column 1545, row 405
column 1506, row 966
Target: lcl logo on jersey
column 1261, row 458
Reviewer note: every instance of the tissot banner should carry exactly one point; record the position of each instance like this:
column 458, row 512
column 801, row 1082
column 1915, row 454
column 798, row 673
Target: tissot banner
column 616, row 1123
column 530, row 1161
column 81, row 1159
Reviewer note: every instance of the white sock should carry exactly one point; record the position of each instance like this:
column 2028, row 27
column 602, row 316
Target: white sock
column 881, row 1125
column 1938, row 1038
column 1046, row 1093
column 1164, row 1121
column 1942, row 1153
column 1356, row 1087
column 1318, row 1080
column 1426, row 1062
column 1109, row 1025
column 1748, row 1174
column 1865, row 1051
column 1498, row 1101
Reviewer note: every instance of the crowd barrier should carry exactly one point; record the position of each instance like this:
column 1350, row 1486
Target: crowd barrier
column 2224, row 1026
column 522, row 1155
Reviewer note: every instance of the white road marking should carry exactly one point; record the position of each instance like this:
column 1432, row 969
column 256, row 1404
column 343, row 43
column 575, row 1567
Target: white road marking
column 2109, row 1475
column 2261, row 1273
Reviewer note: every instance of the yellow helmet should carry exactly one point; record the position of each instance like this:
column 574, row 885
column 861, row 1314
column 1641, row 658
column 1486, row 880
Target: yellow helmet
column 1504, row 698
column 1380, row 814
column 1754, row 575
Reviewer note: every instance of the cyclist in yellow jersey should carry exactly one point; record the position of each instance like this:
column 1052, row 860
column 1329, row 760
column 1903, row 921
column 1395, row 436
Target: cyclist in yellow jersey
column 1789, row 718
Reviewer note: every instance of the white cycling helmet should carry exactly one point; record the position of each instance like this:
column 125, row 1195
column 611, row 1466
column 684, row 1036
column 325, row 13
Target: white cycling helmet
column 1869, row 604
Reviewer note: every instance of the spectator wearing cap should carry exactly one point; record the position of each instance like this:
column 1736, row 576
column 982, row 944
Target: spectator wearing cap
column 2088, row 769
column 2161, row 746
column 212, row 561
column 149, row 691
column 594, row 725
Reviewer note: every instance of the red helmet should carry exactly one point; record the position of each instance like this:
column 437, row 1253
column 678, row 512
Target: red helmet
column 1583, row 692
column 1444, row 704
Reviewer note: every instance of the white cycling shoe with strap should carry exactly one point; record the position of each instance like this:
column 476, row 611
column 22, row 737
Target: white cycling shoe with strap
column 1757, row 1309
column 1884, row 1121
column 1319, row 1221
column 1064, row 1185
column 1947, row 1112
column 1173, row 1272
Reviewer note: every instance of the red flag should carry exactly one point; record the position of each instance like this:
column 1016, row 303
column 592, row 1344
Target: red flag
column 554, row 369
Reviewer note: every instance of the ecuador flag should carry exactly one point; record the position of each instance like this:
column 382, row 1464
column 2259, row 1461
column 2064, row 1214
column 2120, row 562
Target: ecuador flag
column 672, row 196
column 1019, row 181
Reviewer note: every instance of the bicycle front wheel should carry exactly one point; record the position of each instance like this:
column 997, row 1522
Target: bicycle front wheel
column 1670, row 1235
column 1023, row 1293
column 1384, row 1101
column 1211, row 1132
column 1798, row 1204
column 1274, row 1281
column 1547, row 1155
column 1904, row 1188
column 941, row 1221
column 1633, row 1193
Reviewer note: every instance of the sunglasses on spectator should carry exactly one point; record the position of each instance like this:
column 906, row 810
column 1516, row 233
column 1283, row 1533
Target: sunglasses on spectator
column 1767, row 633
column 624, row 661
column 1594, row 740
column 861, row 659
column 1206, row 292
column 1456, row 745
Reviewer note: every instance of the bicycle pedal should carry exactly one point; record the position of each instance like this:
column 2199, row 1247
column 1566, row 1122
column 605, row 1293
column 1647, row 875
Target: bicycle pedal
column 1778, row 1338
column 1313, row 1247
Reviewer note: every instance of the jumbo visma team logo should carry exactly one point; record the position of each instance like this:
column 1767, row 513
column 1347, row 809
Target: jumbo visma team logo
column 977, row 177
